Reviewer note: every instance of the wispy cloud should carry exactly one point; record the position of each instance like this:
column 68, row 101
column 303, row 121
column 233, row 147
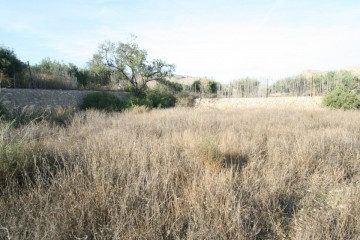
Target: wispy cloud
column 267, row 16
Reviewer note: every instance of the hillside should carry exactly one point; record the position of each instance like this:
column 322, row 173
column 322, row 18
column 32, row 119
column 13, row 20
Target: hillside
column 353, row 69
column 183, row 79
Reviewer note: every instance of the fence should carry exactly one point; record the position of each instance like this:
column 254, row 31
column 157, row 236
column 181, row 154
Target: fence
column 298, row 86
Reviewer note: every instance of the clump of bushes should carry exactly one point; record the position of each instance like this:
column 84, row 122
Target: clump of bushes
column 101, row 101
column 341, row 99
column 153, row 98
column 133, row 102
column 160, row 98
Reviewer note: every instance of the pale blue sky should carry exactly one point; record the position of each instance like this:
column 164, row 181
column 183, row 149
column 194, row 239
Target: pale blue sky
column 223, row 39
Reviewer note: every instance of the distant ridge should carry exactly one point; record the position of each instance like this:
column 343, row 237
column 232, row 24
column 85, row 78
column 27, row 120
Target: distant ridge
column 354, row 70
column 183, row 79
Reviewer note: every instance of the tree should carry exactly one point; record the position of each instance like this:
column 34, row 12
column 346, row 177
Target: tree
column 100, row 73
column 205, row 85
column 245, row 87
column 132, row 64
column 213, row 86
column 9, row 64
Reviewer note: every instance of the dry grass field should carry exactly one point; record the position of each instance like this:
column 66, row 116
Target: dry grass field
column 309, row 103
column 183, row 174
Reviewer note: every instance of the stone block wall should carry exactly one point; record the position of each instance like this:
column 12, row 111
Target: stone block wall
column 44, row 98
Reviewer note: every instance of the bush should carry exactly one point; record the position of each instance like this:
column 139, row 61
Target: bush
column 132, row 102
column 101, row 101
column 174, row 87
column 9, row 63
column 108, row 102
column 160, row 98
column 341, row 99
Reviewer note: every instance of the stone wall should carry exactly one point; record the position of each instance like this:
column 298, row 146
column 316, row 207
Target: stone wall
column 271, row 102
column 43, row 98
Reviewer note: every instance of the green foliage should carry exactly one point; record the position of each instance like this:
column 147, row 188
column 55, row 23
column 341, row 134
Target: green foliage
column 11, row 68
column 205, row 85
column 9, row 63
column 101, row 101
column 47, row 66
column 161, row 97
column 174, row 87
column 98, row 72
column 213, row 86
column 245, row 87
column 51, row 74
column 319, row 82
column 297, row 85
column 131, row 63
column 340, row 99
column 83, row 76
column 133, row 101
column 108, row 102
column 196, row 85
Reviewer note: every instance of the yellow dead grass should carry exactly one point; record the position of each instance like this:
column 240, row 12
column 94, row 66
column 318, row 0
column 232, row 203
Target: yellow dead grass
column 188, row 174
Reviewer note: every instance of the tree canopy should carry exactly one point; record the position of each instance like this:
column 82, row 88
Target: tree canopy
column 9, row 63
column 131, row 62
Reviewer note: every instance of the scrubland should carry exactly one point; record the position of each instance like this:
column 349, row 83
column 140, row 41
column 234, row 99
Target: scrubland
column 183, row 173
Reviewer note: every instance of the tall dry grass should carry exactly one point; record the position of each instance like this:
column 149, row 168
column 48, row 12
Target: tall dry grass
column 183, row 174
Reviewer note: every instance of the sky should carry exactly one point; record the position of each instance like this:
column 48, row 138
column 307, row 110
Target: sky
column 220, row 39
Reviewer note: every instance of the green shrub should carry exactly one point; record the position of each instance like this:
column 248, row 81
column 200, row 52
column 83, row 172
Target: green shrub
column 108, row 102
column 161, row 98
column 132, row 101
column 341, row 99
column 174, row 87
column 101, row 101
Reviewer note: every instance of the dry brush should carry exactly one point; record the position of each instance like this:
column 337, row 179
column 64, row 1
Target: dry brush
column 183, row 174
